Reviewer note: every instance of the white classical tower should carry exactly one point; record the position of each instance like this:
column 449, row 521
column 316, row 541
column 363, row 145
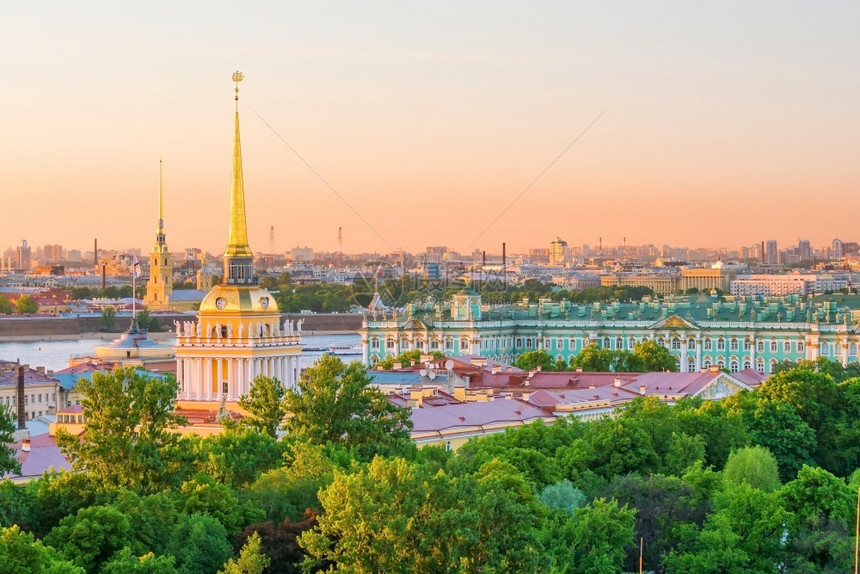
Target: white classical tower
column 160, row 284
column 238, row 334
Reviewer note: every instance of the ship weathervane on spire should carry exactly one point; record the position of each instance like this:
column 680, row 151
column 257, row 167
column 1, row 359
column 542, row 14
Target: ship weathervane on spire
column 238, row 77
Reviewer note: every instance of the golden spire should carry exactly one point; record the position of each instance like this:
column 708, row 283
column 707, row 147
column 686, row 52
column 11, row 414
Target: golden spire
column 238, row 246
column 160, row 197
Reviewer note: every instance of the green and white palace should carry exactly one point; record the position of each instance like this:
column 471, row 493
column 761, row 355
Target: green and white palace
column 700, row 331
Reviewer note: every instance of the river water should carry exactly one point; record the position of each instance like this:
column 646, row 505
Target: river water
column 54, row 355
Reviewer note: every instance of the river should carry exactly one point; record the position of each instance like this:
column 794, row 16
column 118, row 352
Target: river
column 54, row 355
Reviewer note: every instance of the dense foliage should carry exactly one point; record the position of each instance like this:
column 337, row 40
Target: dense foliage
column 760, row 482
column 646, row 356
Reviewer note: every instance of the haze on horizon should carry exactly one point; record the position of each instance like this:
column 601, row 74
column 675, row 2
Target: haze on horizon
column 725, row 124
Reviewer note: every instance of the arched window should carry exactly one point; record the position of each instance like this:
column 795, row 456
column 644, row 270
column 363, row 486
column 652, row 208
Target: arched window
column 801, row 347
column 619, row 343
column 571, row 343
column 773, row 347
column 759, row 364
column 786, row 347
column 676, row 344
column 747, row 364
column 631, row 343
column 691, row 344
column 733, row 366
column 721, row 344
column 733, row 344
column 606, row 344
column 759, row 346
column 519, row 343
column 559, row 344
column 708, row 344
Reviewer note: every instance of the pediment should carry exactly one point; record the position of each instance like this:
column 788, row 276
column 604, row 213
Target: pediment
column 414, row 325
column 674, row 322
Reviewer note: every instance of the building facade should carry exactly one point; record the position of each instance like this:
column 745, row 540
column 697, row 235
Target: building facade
column 701, row 331
column 238, row 333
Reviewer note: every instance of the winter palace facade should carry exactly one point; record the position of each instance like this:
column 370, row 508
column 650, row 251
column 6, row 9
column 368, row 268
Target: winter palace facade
column 700, row 331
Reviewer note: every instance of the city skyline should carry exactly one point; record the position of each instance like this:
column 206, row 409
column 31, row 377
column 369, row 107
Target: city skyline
column 721, row 128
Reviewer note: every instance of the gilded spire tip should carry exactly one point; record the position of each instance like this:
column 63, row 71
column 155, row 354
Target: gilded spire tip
column 238, row 77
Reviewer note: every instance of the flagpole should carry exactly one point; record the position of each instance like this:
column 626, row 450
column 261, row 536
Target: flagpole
column 133, row 292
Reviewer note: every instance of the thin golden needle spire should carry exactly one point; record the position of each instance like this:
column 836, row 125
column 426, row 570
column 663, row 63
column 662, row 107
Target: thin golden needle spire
column 238, row 224
column 160, row 197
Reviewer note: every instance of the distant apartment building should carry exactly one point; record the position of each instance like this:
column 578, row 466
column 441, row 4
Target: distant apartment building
column 779, row 285
column 23, row 257
column 771, row 253
column 302, row 255
column 558, row 252
column 702, row 279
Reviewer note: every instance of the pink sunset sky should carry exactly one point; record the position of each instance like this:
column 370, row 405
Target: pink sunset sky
column 725, row 123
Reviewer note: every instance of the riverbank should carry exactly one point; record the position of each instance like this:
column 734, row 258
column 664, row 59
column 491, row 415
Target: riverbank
column 48, row 328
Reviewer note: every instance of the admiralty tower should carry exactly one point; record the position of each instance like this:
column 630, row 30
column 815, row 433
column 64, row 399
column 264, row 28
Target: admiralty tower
column 238, row 333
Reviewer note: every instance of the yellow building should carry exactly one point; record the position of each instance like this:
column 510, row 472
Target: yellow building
column 238, row 334
column 160, row 284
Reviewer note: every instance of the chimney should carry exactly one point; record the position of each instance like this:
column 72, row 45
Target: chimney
column 40, row 370
column 25, row 445
column 590, row 385
column 617, row 381
column 641, row 389
column 579, row 369
column 22, row 413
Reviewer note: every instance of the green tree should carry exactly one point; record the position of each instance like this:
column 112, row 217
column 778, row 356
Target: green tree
column 8, row 459
column 199, row 544
column 601, row 534
column 21, row 553
column 5, row 305
column 716, row 550
column 126, row 562
column 335, row 403
column 593, row 359
column 291, row 491
column 265, row 405
column 108, row 317
column 251, row 559
column 533, row 359
column 130, row 440
column 655, row 357
column 26, row 305
column 91, row 537
column 562, row 496
column 237, row 457
column 777, row 427
column 755, row 466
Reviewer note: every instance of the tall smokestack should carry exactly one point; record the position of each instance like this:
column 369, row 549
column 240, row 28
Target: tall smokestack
column 22, row 413
column 96, row 252
column 104, row 277
column 504, row 265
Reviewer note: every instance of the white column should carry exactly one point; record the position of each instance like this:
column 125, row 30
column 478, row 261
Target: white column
column 698, row 354
column 231, row 379
column 684, row 367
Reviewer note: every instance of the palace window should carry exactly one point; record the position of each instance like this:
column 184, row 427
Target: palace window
column 631, row 343
column 691, row 344
column 389, row 344
column 733, row 366
column 708, row 345
column 747, row 364
column 676, row 344
column 721, row 344
column 434, row 344
column 759, row 365
column 529, row 343
column 747, row 345
column 559, row 344
column 464, row 344
column 706, row 363
column 773, row 347
column 519, row 343
column 759, row 347
column 801, row 346
column 374, row 343
column 571, row 344
column 825, row 348
column 619, row 343
column 606, row 343
column 733, row 345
